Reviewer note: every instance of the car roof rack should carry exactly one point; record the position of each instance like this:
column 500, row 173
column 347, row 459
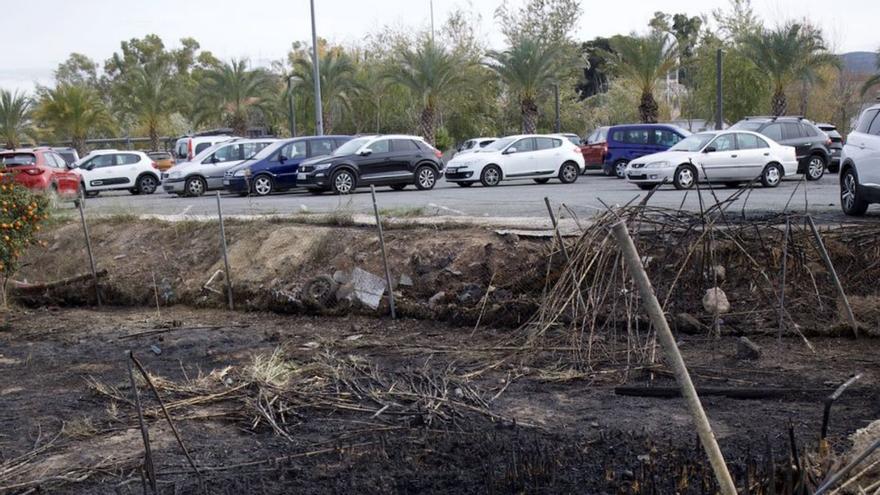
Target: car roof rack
column 774, row 117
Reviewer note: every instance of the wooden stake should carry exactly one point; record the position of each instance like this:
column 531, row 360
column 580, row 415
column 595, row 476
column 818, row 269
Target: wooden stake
column 82, row 217
column 667, row 341
column 827, row 259
column 782, row 284
column 145, row 434
column 384, row 255
column 225, row 255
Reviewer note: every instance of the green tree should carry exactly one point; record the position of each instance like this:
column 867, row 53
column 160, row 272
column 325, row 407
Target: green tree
column 528, row 69
column 232, row 93
column 148, row 93
column 551, row 21
column 744, row 88
column 74, row 112
column 430, row 73
column 338, row 82
column 644, row 60
column 15, row 117
column 785, row 55
column 873, row 80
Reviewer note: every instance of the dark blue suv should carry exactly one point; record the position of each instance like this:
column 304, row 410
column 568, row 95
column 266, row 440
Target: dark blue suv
column 628, row 142
column 275, row 167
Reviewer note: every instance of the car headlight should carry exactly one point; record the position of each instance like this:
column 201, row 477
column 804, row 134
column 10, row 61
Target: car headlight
column 174, row 174
column 323, row 166
column 245, row 172
column 657, row 165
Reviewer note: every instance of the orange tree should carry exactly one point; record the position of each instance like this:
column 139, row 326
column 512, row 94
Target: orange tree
column 21, row 213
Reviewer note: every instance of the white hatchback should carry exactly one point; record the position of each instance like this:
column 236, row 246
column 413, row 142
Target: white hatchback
column 109, row 170
column 720, row 157
column 529, row 156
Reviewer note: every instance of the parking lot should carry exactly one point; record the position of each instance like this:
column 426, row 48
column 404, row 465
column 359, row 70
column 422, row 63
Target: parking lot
column 515, row 199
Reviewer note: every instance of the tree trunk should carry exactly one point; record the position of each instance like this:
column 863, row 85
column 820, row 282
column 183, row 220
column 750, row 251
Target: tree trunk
column 79, row 144
column 238, row 123
column 426, row 124
column 328, row 121
column 648, row 108
column 154, row 137
column 779, row 103
column 529, row 111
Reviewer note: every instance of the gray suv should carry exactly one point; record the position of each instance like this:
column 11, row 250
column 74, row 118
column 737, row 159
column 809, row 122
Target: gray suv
column 860, row 165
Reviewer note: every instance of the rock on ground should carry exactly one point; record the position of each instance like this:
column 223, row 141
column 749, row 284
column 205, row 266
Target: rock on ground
column 715, row 301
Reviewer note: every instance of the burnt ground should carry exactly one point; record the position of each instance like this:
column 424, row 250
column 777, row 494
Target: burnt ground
column 66, row 425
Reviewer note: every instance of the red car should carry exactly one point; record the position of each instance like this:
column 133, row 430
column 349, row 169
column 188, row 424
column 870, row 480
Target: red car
column 595, row 148
column 39, row 169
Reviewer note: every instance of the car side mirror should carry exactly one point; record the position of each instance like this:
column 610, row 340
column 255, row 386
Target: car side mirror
column 215, row 159
column 366, row 152
column 710, row 149
column 509, row 151
column 282, row 158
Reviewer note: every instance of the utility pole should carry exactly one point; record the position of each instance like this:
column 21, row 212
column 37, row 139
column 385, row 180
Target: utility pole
column 319, row 111
column 291, row 106
column 719, row 101
column 432, row 20
column 556, row 98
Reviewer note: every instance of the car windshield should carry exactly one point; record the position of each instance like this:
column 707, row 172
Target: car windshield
column 17, row 159
column 352, row 146
column 747, row 126
column 500, row 144
column 695, row 142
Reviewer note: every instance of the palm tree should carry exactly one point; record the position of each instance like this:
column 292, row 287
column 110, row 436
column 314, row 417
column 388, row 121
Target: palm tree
column 785, row 55
column 73, row 111
column 430, row 73
column 148, row 93
column 644, row 60
column 528, row 69
column 338, row 82
column 15, row 121
column 232, row 93
column 873, row 80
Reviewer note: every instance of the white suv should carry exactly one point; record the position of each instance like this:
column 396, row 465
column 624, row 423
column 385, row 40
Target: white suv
column 206, row 170
column 529, row 156
column 110, row 170
column 860, row 169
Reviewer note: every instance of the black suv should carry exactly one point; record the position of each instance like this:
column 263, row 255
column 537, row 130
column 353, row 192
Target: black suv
column 836, row 146
column 810, row 143
column 391, row 160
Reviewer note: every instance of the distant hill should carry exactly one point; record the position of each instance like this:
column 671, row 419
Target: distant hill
column 860, row 62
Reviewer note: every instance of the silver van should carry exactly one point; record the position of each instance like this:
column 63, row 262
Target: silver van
column 206, row 170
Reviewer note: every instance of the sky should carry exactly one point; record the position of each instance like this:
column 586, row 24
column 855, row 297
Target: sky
column 39, row 34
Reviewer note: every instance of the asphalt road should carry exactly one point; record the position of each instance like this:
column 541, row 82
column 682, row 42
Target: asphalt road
column 511, row 199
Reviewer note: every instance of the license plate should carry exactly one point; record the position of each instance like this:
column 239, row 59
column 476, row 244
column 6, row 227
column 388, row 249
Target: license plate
column 225, row 182
column 302, row 176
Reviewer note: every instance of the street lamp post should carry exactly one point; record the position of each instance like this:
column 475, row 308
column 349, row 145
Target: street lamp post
column 319, row 111
column 292, row 106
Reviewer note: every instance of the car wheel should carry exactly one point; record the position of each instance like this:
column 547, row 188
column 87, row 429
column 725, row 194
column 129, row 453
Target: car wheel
column 262, row 185
column 541, row 181
column 426, row 178
column 195, row 186
column 569, row 172
column 398, row 187
column 620, row 169
column 685, row 177
column 772, row 175
column 491, row 176
column 816, row 167
column 850, row 200
column 320, row 291
column 465, row 184
column 342, row 182
column 147, row 184
column 646, row 187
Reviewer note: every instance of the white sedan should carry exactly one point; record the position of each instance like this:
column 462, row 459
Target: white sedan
column 529, row 156
column 719, row 157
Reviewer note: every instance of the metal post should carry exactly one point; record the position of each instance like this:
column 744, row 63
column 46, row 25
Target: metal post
column 782, row 285
column 316, row 74
column 291, row 107
column 719, row 92
column 556, row 98
column 673, row 356
column 225, row 256
column 145, row 434
column 827, row 259
column 384, row 256
column 82, row 217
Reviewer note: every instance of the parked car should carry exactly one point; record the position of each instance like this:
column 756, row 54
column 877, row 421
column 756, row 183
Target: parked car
column 111, row 170
column 164, row 159
column 835, row 148
column 625, row 143
column 475, row 144
column 186, row 148
column 860, row 165
column 275, row 167
column 39, row 169
column 595, row 148
column 391, row 160
column 70, row 155
column 810, row 143
column 205, row 172
column 529, row 156
column 720, row 157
